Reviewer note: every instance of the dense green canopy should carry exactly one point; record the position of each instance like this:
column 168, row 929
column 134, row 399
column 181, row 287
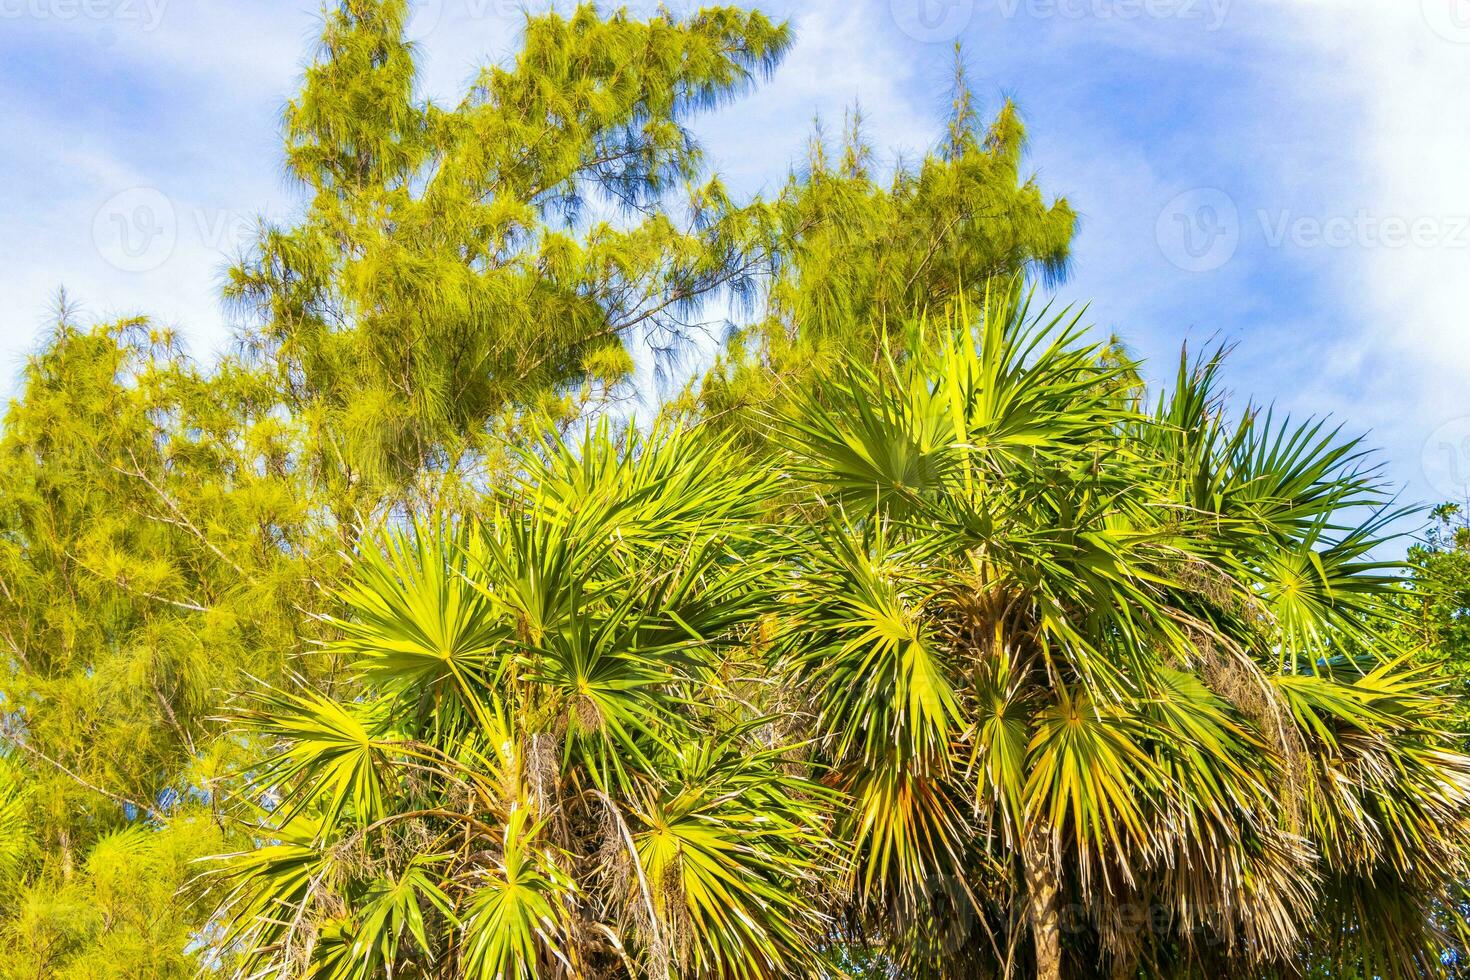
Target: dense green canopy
column 912, row 637
column 997, row 671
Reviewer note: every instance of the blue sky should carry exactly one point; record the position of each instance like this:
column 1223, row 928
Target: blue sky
column 1289, row 176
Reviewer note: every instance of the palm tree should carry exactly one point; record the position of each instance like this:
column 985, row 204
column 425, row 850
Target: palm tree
column 1115, row 683
column 997, row 670
column 547, row 765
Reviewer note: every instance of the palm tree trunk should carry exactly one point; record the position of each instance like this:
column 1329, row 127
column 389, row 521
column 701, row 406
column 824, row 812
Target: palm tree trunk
column 1042, row 899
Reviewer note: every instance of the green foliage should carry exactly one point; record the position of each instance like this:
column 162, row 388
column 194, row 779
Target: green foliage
column 1439, row 603
column 857, row 261
column 466, row 275
column 154, row 547
column 1068, row 654
column 548, row 767
column 459, row 277
column 907, row 635
column 1016, row 675
column 126, row 909
column 150, row 554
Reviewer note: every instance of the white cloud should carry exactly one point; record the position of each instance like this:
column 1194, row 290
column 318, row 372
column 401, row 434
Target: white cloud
column 1406, row 65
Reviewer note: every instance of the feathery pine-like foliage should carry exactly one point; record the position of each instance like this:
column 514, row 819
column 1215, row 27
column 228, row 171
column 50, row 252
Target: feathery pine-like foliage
column 1027, row 680
column 152, row 554
column 857, row 260
column 468, row 274
column 166, row 528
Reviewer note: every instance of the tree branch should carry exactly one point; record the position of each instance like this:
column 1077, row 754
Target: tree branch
column 19, row 742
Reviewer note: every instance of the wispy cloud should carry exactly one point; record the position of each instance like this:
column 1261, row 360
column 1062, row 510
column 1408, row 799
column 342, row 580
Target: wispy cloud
column 1404, row 278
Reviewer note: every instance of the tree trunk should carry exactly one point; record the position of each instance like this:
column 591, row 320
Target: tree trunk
column 1042, row 898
